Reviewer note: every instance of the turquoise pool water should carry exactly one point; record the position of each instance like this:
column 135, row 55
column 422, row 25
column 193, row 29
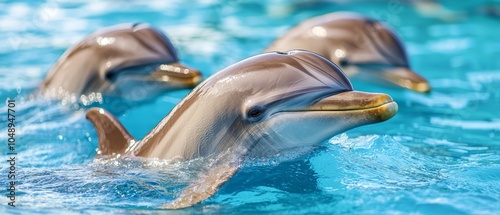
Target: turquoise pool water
column 439, row 155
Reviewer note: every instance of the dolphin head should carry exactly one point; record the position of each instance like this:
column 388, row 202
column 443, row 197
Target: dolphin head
column 361, row 46
column 266, row 103
column 116, row 59
column 306, row 101
column 375, row 52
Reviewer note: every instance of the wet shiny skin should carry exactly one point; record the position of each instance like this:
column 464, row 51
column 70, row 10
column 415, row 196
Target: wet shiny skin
column 360, row 45
column 439, row 154
column 114, row 59
column 281, row 95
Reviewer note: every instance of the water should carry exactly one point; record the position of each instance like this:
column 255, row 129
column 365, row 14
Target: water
column 439, row 154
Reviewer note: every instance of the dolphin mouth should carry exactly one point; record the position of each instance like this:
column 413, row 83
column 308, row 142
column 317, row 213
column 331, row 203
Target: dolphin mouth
column 399, row 76
column 177, row 74
column 407, row 78
column 377, row 106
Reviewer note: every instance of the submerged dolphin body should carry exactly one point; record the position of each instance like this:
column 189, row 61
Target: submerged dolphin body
column 114, row 60
column 361, row 46
column 259, row 107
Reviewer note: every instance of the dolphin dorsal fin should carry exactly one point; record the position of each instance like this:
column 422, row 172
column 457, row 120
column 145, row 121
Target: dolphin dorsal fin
column 113, row 137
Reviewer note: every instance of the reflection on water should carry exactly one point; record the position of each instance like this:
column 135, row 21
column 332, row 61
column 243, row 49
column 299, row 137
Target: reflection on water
column 440, row 154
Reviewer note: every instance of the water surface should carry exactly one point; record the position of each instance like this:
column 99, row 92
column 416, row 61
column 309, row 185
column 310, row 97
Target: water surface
column 439, row 154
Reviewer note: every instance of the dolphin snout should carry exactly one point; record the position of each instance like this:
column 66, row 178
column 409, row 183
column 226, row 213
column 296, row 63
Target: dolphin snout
column 374, row 107
column 407, row 78
column 177, row 74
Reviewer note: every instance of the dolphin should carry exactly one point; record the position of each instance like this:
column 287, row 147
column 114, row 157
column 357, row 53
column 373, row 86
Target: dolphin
column 257, row 108
column 113, row 60
column 363, row 47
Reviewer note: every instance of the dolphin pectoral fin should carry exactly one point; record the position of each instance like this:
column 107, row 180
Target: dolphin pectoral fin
column 177, row 75
column 113, row 138
column 204, row 187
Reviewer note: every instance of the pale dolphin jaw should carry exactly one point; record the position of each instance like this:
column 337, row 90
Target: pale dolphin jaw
column 350, row 39
column 407, row 78
column 331, row 115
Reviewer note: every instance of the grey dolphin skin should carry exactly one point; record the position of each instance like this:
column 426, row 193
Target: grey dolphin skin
column 259, row 107
column 364, row 48
column 113, row 59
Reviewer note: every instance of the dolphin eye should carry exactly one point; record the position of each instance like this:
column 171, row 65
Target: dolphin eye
column 255, row 113
column 343, row 62
column 111, row 75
